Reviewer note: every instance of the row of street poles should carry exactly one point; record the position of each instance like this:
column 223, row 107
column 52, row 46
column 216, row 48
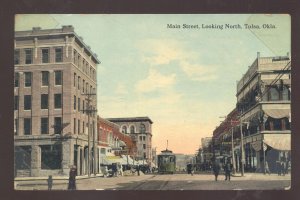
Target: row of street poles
column 241, row 145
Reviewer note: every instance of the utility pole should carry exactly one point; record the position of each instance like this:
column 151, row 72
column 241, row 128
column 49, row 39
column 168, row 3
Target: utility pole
column 232, row 151
column 242, row 148
column 89, row 111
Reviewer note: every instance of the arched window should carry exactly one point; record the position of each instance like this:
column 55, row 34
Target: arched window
column 143, row 128
column 131, row 129
column 124, row 129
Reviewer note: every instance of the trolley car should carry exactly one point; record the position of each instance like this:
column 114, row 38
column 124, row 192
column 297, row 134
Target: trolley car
column 166, row 162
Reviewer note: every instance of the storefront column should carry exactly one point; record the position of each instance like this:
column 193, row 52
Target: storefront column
column 35, row 160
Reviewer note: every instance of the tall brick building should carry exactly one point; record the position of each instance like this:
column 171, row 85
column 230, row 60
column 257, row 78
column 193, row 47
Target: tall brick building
column 55, row 103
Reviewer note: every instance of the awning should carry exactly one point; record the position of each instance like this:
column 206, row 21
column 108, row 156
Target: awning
column 280, row 142
column 277, row 113
column 130, row 160
column 108, row 160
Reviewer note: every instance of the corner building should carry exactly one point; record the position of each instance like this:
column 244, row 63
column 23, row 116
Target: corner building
column 55, row 103
column 264, row 104
column 140, row 130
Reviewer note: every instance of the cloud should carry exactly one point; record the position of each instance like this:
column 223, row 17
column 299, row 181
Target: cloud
column 155, row 81
column 162, row 52
column 197, row 72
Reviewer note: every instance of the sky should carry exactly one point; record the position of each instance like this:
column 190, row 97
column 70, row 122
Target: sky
column 182, row 79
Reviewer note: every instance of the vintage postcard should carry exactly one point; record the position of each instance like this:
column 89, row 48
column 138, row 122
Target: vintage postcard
column 152, row 102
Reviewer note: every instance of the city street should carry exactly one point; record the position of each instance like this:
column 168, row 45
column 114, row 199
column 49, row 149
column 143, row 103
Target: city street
column 170, row 182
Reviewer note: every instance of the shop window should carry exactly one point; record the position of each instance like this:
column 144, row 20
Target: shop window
column 22, row 157
column 51, row 157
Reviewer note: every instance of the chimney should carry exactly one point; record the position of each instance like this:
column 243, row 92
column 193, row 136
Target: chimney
column 36, row 29
column 68, row 28
column 258, row 54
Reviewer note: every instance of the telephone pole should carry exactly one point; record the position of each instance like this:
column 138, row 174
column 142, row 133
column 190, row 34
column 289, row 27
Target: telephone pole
column 90, row 110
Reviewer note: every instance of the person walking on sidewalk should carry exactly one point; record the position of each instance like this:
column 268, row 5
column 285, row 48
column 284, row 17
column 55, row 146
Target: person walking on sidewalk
column 72, row 178
column 50, row 182
column 216, row 170
column 267, row 170
column 227, row 169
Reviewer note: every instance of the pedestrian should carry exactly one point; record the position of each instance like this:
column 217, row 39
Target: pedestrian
column 72, row 178
column 50, row 182
column 138, row 169
column 287, row 164
column 278, row 166
column 267, row 170
column 227, row 169
column 283, row 168
column 216, row 170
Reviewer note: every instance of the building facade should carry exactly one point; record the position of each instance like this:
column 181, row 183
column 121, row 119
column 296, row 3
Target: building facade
column 55, row 103
column 264, row 104
column 112, row 142
column 140, row 130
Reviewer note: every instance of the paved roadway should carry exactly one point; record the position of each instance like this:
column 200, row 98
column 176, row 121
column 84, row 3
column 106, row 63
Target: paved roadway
column 171, row 182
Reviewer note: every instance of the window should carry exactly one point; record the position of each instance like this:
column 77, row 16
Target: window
column 44, row 125
column 83, row 106
column 144, row 146
column 74, row 102
column 141, row 138
column 27, row 126
column 45, row 78
column 16, row 103
column 145, row 155
column 78, row 61
column 27, row 102
column 285, row 93
column 17, row 76
column 27, row 79
column 51, row 157
column 143, row 128
column 57, row 101
column 58, row 54
column 78, row 104
column 124, row 129
column 83, row 127
column 144, row 138
column 274, row 94
column 132, row 129
column 58, row 77
column 74, row 79
column 57, row 125
column 74, row 56
column 83, row 84
column 45, row 55
column 78, row 82
column 28, row 56
column 17, row 56
column 78, row 126
column 44, row 101
column 16, row 126
column 86, row 87
column 74, row 125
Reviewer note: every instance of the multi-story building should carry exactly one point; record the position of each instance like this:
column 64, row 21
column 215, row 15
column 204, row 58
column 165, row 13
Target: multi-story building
column 263, row 102
column 55, row 103
column 140, row 130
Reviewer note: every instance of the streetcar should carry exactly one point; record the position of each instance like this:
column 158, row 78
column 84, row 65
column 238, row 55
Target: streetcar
column 166, row 162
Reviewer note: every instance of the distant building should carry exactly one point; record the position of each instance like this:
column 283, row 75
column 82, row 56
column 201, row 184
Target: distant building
column 55, row 75
column 140, row 130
